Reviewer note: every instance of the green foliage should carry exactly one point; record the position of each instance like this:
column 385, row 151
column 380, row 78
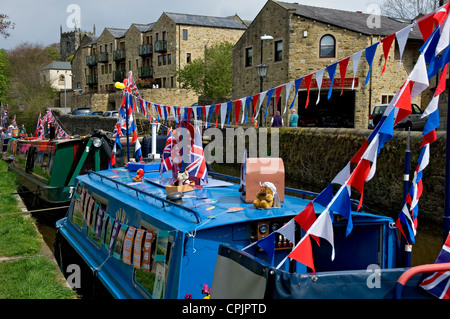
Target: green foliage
column 53, row 53
column 210, row 76
column 4, row 73
column 28, row 94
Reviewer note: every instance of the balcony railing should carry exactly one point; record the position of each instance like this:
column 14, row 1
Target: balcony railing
column 160, row 46
column 91, row 79
column 118, row 76
column 146, row 50
column 91, row 60
column 119, row 55
column 102, row 57
column 145, row 72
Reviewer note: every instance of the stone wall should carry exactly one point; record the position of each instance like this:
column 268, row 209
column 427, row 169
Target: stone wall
column 85, row 125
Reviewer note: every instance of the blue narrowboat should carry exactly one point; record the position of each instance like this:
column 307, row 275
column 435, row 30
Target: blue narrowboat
column 133, row 240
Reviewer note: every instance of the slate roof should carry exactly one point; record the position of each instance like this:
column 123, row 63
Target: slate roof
column 116, row 32
column 144, row 27
column 354, row 21
column 205, row 21
column 58, row 65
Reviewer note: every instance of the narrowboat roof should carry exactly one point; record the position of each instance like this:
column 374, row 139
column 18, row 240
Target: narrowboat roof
column 200, row 209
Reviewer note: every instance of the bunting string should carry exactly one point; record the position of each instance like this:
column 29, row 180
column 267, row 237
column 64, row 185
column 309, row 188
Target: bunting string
column 434, row 53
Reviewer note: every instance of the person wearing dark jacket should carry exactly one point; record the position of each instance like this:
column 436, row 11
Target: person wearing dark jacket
column 277, row 120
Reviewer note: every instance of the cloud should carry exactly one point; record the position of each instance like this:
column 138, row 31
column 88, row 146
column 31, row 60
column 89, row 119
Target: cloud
column 41, row 20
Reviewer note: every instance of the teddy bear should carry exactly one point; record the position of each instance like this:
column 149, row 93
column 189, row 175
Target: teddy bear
column 139, row 175
column 265, row 196
column 182, row 178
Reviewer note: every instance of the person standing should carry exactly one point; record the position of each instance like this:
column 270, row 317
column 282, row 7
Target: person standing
column 293, row 119
column 277, row 120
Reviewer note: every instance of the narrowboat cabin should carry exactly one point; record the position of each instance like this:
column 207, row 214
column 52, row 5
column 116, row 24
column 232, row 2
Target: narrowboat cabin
column 46, row 169
column 134, row 240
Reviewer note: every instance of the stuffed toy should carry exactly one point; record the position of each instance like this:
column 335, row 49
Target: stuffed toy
column 139, row 175
column 265, row 196
column 182, row 178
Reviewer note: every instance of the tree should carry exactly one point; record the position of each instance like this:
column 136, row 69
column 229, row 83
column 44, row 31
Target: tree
column 209, row 76
column 408, row 9
column 5, row 25
column 4, row 74
column 28, row 94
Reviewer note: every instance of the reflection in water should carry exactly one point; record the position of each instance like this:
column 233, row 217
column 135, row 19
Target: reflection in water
column 428, row 244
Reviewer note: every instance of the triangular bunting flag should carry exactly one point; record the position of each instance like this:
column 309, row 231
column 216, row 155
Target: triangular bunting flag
column 342, row 205
column 331, row 72
column 404, row 102
column 303, row 253
column 254, row 101
column 268, row 245
column 342, row 70
column 288, row 90
column 308, row 79
column 306, row 218
column 319, row 78
column 402, row 38
column 269, row 97
column 370, row 54
column 297, row 82
column 358, row 177
column 325, row 196
column 261, row 99
column 387, row 43
column 356, row 57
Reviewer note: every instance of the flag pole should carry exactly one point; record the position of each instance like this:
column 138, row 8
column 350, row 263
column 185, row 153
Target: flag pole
column 406, row 254
column 446, row 218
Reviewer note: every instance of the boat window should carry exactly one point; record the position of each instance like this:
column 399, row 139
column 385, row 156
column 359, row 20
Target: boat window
column 152, row 273
column 21, row 154
column 41, row 166
column 77, row 217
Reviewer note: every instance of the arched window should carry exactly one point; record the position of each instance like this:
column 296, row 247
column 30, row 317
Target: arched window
column 327, row 46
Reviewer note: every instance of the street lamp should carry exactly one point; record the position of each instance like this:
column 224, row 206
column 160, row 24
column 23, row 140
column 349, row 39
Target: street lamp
column 262, row 71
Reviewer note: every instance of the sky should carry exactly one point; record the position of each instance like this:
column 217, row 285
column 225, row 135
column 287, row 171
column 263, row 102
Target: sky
column 39, row 21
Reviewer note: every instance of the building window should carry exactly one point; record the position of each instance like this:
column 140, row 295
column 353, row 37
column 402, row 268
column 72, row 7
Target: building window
column 188, row 58
column 185, row 34
column 164, row 59
column 386, row 98
column 248, row 57
column 169, row 59
column 279, row 50
column 327, row 46
column 159, row 60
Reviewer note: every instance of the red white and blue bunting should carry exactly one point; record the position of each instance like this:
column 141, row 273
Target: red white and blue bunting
column 435, row 28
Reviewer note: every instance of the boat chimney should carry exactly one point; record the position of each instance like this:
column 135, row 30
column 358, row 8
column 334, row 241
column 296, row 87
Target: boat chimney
column 52, row 131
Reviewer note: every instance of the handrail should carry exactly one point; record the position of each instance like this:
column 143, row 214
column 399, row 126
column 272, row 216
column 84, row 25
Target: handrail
column 428, row 268
column 162, row 200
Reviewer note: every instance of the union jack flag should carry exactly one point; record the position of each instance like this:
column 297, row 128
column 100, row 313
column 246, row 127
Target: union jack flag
column 438, row 283
column 113, row 156
column 40, row 128
column 197, row 167
column 166, row 160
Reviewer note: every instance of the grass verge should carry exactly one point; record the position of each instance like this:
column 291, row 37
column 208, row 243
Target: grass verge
column 25, row 272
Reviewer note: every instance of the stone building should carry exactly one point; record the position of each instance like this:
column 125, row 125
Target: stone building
column 154, row 52
column 307, row 39
column 58, row 74
column 70, row 41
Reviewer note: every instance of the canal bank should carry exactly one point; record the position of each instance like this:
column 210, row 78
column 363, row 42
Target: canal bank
column 28, row 269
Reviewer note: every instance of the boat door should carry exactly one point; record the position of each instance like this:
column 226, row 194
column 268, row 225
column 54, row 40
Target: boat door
column 31, row 156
